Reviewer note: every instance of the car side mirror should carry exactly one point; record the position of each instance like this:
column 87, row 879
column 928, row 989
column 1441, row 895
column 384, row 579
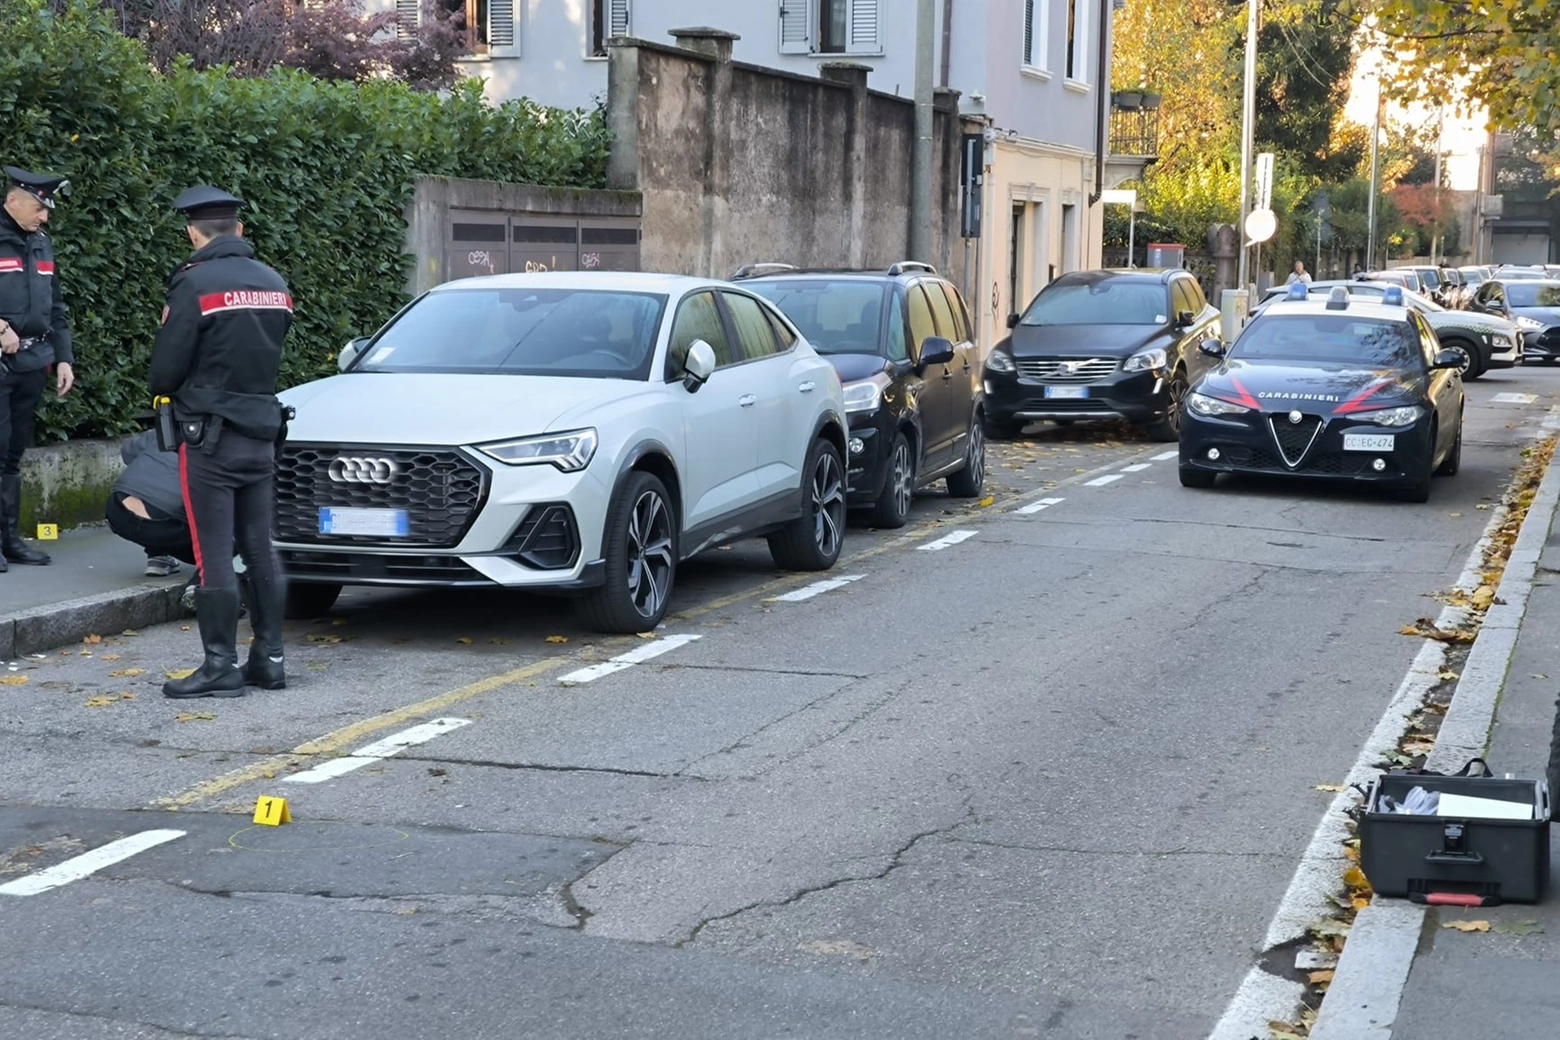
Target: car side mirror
column 1214, row 348
column 1448, row 359
column 698, row 366
column 350, row 352
column 935, row 350
column 1012, row 321
column 1183, row 319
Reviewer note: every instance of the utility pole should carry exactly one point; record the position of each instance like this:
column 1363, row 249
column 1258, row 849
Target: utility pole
column 921, row 160
column 1440, row 131
column 1375, row 135
column 1248, row 119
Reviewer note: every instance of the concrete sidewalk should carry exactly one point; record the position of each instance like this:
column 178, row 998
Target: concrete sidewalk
column 96, row 584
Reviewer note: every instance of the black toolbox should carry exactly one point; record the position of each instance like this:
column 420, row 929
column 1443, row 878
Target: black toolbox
column 1453, row 860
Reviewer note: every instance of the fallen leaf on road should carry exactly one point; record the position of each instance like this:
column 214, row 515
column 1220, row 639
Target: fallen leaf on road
column 1446, row 675
column 1419, row 747
column 127, row 673
column 1540, row 675
column 93, row 640
column 101, row 702
column 317, row 666
column 1481, row 506
column 436, row 772
column 1283, row 1031
column 1483, row 596
column 320, row 638
column 557, row 639
column 1454, row 515
column 182, row 673
column 1428, row 629
column 645, row 635
column 184, row 628
column 1355, row 878
column 1519, row 928
column 1468, row 926
column 408, row 911
column 987, row 501
column 14, row 680
column 110, row 657
column 1330, row 788
column 465, row 640
column 129, row 632
column 194, row 716
column 1320, row 976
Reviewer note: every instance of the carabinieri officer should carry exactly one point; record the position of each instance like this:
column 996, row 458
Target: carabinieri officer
column 217, row 357
column 33, row 335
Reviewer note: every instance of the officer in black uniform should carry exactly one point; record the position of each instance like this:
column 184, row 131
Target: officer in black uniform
column 34, row 334
column 217, row 357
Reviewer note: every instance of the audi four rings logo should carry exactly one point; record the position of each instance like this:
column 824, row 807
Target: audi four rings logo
column 348, row 469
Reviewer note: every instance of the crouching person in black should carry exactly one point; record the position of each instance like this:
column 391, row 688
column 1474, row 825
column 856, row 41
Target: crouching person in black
column 217, row 356
column 146, row 505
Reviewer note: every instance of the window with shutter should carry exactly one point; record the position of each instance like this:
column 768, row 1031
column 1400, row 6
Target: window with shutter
column 408, row 16
column 501, row 27
column 795, row 22
column 1037, row 18
column 618, row 23
column 864, row 27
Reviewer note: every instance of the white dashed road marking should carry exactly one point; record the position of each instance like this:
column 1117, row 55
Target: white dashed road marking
column 1513, row 398
column 818, row 588
column 636, row 656
column 1135, row 467
column 952, row 538
column 1035, row 507
column 377, row 751
column 88, row 863
column 1109, row 478
column 1166, row 456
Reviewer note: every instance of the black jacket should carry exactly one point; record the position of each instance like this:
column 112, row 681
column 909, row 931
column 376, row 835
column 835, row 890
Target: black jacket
column 151, row 475
column 220, row 346
column 31, row 298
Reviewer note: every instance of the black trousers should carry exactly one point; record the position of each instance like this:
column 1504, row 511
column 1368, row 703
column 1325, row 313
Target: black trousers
column 159, row 536
column 229, row 497
column 20, row 393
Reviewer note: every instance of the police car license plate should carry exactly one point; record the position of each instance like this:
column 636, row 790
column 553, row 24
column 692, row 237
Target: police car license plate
column 1368, row 441
column 381, row 523
column 1067, row 393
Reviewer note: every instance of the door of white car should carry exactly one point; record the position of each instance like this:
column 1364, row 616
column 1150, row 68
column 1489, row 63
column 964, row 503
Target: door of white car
column 720, row 421
column 786, row 393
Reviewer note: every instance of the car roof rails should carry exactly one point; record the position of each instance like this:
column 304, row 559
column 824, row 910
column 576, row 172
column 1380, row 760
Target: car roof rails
column 754, row 270
column 906, row 266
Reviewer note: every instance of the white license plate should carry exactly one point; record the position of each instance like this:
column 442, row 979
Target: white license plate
column 1067, row 393
column 381, row 523
column 1368, row 441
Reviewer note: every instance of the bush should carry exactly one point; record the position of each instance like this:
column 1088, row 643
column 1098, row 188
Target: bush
column 326, row 167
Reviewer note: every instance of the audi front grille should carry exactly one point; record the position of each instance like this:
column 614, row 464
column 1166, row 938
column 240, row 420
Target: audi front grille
column 1067, row 370
column 441, row 490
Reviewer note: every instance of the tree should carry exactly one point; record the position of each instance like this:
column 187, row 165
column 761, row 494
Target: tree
column 1305, row 57
column 1498, row 54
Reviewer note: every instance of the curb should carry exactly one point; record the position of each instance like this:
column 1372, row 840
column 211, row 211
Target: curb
column 1362, row 1001
column 44, row 628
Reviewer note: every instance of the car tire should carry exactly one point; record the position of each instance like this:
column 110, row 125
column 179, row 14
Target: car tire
column 893, row 505
column 1197, row 478
column 812, row 541
column 1168, row 430
column 970, row 481
column 307, row 599
column 1004, row 429
column 1419, row 490
column 1453, row 461
column 639, row 546
column 1471, row 368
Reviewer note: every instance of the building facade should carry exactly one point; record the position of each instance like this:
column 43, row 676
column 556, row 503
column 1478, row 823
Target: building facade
column 1035, row 71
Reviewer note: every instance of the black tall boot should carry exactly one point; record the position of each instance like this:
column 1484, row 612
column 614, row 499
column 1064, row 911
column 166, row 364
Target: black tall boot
column 11, row 544
column 216, row 615
column 265, row 665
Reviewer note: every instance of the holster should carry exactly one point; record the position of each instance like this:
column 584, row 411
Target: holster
column 167, row 427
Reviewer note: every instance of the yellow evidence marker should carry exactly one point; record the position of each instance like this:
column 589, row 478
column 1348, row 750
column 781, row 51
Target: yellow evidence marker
column 48, row 532
column 272, row 812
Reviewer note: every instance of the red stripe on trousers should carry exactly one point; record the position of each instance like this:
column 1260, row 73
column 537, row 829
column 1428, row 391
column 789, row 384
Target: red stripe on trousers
column 189, row 510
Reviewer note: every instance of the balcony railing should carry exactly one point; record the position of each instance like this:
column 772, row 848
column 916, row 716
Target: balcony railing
column 1134, row 124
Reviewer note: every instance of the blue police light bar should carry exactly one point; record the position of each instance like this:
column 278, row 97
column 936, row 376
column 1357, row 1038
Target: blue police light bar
column 1297, row 291
column 1393, row 297
column 1338, row 298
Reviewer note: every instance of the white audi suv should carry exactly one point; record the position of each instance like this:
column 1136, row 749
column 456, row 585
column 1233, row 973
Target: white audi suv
column 568, row 432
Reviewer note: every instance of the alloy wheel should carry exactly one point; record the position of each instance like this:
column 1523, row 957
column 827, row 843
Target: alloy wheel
column 1467, row 358
column 649, row 545
column 901, row 478
column 1177, row 397
column 828, row 503
column 977, row 455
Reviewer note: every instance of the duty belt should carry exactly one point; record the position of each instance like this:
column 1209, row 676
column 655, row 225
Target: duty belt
column 29, row 342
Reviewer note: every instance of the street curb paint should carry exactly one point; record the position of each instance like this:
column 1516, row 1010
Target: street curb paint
column 1264, row 997
column 1373, row 970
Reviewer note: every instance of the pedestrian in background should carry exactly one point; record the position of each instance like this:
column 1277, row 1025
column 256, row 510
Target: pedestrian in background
column 217, row 356
column 34, row 334
column 1298, row 274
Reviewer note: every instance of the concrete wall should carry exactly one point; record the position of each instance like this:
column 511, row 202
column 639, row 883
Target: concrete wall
column 738, row 163
column 68, row 484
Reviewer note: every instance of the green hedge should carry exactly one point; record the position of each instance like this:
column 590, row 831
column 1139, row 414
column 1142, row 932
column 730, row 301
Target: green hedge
column 326, row 167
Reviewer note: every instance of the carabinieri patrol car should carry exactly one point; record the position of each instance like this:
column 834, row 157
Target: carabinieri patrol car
column 1342, row 389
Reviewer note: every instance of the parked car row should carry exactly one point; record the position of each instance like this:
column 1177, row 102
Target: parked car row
column 585, row 433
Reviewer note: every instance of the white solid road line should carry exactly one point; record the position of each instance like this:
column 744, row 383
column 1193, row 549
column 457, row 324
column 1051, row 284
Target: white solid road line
column 1137, row 467
column 818, row 588
column 87, row 863
column 952, row 538
column 1514, row 398
column 1035, row 507
column 636, row 656
column 1109, row 478
column 377, row 751
column 1166, row 456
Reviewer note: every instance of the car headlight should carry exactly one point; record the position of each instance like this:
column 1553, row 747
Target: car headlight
column 1145, row 360
column 866, row 395
column 1404, row 416
column 1501, row 340
column 1001, row 361
column 1202, row 404
column 570, row 452
column 1524, row 322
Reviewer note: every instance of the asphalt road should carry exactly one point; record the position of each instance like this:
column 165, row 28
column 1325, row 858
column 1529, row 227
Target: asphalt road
column 1035, row 770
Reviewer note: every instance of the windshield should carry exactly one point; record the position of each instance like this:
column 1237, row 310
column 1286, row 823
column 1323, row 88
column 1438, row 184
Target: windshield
column 1431, row 279
column 1111, row 302
column 1472, row 277
column 1329, row 337
column 836, row 317
column 1527, row 294
column 539, row 332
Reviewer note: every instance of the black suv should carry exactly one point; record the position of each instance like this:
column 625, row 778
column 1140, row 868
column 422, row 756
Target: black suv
column 901, row 342
column 1116, row 344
